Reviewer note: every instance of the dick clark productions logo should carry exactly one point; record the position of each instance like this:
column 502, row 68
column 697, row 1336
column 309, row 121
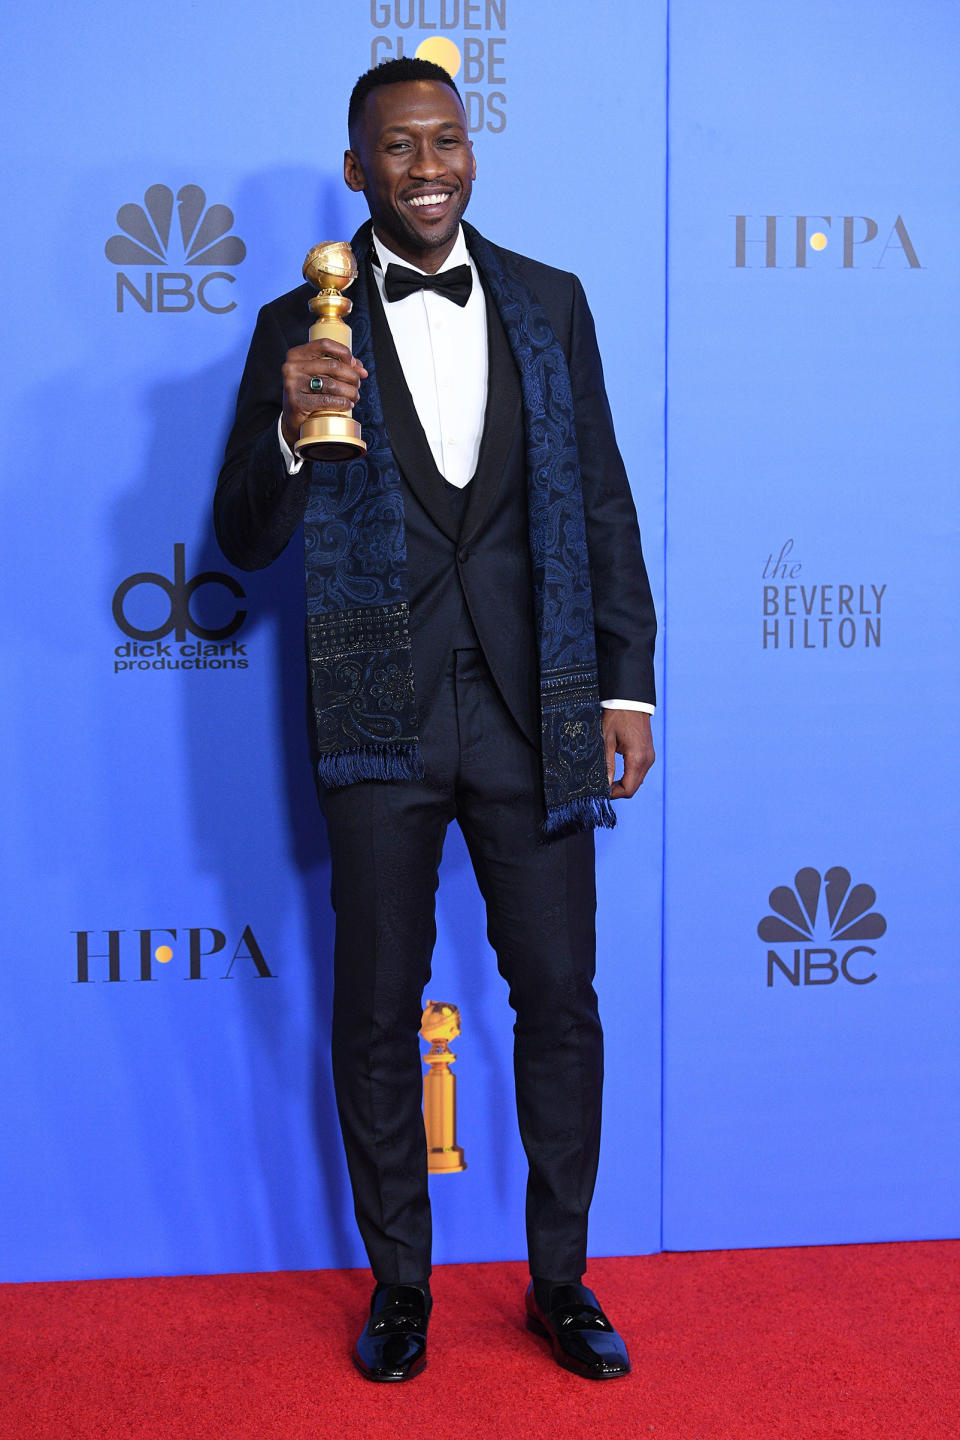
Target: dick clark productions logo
column 213, row 646
column 837, row 911
column 202, row 238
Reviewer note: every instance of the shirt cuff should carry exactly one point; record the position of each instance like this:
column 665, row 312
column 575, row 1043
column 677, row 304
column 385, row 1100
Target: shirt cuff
column 293, row 462
column 642, row 705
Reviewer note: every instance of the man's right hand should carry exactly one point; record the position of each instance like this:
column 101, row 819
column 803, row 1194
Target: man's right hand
column 340, row 371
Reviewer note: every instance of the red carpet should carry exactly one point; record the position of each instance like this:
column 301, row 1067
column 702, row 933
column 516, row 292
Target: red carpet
column 831, row 1343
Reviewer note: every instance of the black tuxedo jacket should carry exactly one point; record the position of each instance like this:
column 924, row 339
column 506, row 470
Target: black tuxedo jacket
column 475, row 557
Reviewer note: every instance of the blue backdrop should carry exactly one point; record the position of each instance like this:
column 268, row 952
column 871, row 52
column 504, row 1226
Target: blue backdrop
column 754, row 197
column 812, row 678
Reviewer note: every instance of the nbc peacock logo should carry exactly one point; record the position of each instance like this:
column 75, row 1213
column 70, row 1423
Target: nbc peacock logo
column 827, row 907
column 201, row 238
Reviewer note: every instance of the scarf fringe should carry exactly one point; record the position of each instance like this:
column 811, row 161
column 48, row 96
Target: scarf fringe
column 590, row 812
column 370, row 762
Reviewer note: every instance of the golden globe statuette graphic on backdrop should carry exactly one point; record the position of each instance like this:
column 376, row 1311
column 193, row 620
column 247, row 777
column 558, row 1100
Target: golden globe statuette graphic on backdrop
column 330, row 434
column 440, row 1024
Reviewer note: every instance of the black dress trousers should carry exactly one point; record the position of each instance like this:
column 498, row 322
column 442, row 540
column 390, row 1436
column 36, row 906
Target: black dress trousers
column 386, row 841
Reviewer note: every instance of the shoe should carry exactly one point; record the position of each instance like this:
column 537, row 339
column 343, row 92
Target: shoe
column 581, row 1337
column 393, row 1345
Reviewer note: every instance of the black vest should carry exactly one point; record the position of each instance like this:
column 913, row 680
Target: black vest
column 468, row 558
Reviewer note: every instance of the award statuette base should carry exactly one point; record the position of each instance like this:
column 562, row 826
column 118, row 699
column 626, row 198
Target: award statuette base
column 446, row 1162
column 330, row 437
column 330, row 434
column 444, row 1155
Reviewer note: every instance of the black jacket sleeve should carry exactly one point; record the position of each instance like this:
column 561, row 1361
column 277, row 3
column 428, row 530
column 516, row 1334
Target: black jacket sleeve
column 624, row 618
column 258, row 506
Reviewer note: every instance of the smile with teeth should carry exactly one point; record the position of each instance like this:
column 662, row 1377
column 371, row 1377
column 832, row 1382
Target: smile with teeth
column 424, row 200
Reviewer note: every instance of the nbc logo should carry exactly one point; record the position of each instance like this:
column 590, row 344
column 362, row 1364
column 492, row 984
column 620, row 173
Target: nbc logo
column 203, row 239
column 849, row 916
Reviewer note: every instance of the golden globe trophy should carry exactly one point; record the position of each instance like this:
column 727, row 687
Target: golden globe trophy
column 440, row 1024
column 330, row 434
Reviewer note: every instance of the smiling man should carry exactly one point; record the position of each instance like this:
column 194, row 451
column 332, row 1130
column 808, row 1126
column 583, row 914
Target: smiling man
column 480, row 646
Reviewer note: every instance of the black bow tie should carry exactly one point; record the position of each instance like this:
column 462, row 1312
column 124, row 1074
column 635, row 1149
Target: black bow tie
column 455, row 284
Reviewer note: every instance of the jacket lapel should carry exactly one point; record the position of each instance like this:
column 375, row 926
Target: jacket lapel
column 406, row 434
column 503, row 414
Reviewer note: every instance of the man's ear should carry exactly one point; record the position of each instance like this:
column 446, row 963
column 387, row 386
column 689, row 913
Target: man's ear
column 474, row 175
column 353, row 170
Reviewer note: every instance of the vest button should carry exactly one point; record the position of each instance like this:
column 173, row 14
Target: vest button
column 463, row 555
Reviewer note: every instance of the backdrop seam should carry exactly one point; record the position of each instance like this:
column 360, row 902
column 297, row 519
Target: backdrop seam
column 663, row 743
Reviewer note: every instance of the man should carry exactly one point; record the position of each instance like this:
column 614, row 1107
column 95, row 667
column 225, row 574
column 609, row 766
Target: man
column 475, row 585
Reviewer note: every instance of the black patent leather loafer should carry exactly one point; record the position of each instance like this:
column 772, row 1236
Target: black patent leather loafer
column 393, row 1345
column 581, row 1337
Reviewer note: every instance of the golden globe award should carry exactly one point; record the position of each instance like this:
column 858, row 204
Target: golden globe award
column 440, row 1024
column 330, row 434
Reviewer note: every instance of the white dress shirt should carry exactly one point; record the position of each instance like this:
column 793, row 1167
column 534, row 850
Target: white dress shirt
column 442, row 348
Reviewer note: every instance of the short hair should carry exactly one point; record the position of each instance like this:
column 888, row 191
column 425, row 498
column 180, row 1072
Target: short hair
column 393, row 72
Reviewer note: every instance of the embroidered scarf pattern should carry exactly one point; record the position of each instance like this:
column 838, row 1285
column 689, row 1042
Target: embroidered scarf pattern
column 358, row 636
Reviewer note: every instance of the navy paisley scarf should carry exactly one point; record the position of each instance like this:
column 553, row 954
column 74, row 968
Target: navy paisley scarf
column 358, row 636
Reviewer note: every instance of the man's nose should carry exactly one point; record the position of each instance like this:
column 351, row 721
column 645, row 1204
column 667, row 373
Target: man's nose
column 427, row 162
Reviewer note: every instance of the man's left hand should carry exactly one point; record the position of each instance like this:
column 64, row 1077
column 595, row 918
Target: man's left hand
column 627, row 732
